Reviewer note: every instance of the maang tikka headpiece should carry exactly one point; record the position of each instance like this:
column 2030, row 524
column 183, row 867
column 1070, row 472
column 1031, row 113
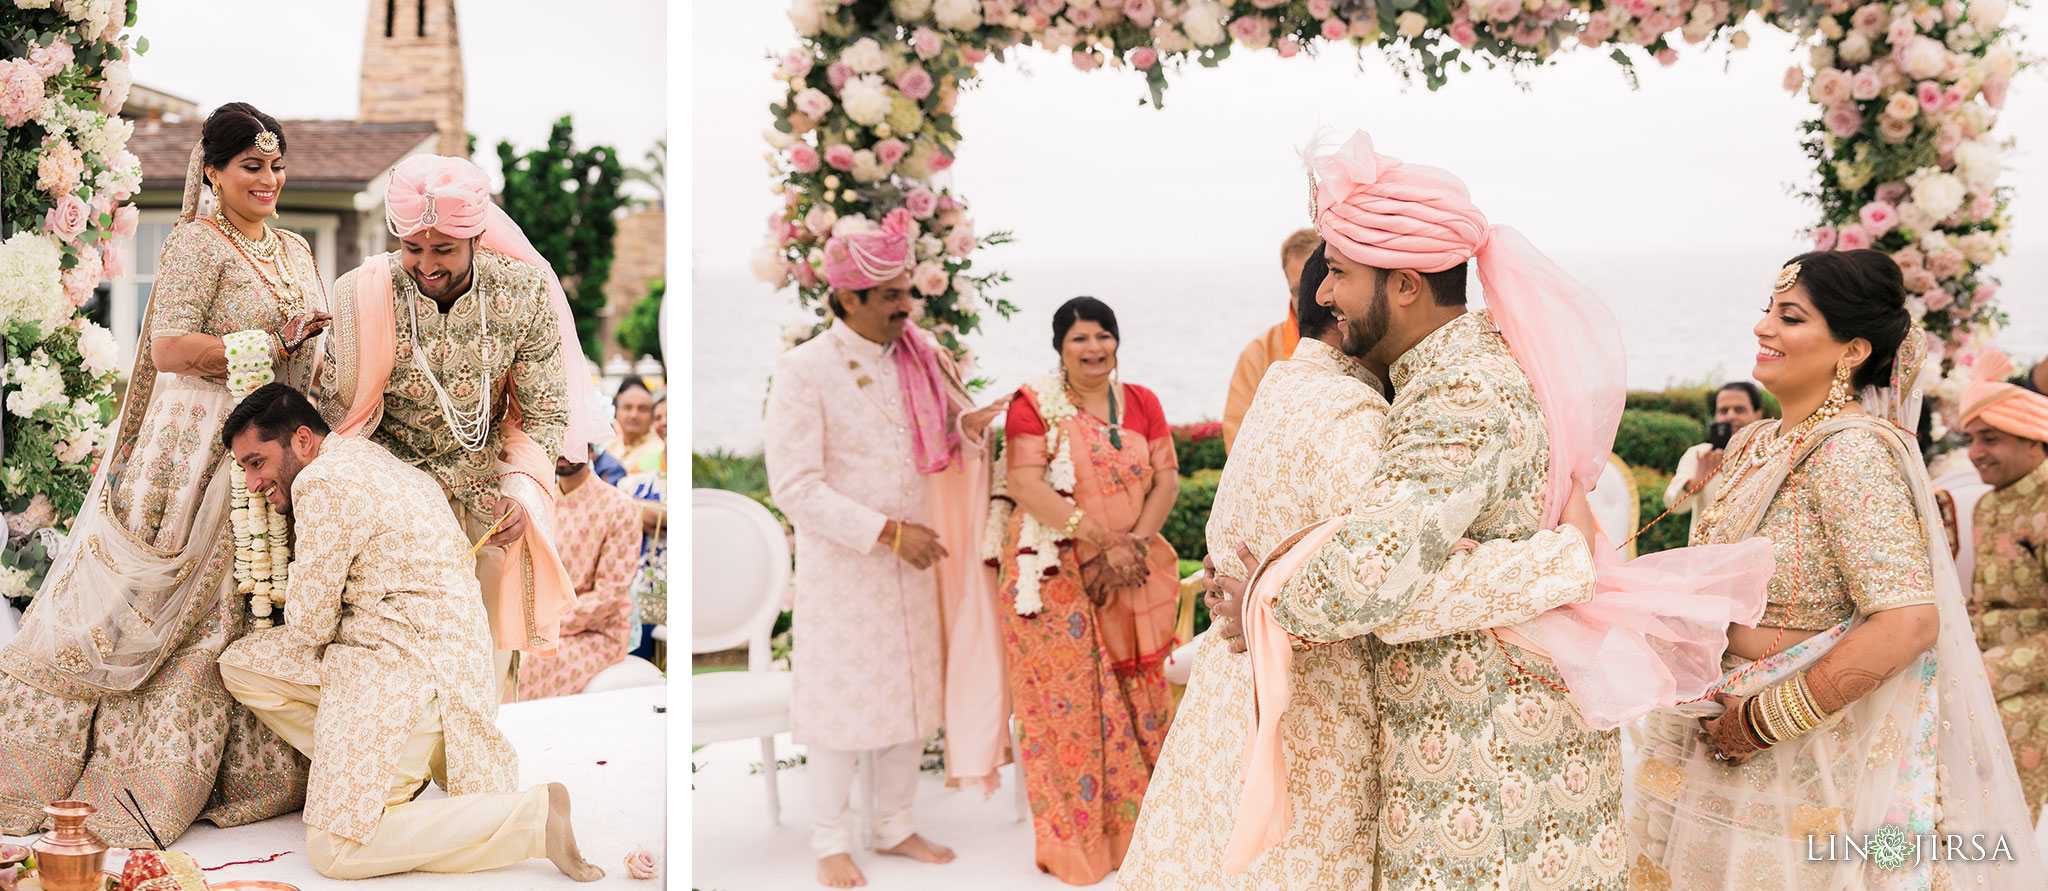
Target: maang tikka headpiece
column 266, row 142
column 1787, row 277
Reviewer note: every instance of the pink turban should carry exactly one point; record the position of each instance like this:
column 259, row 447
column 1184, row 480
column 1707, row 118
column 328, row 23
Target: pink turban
column 449, row 195
column 2015, row 410
column 1390, row 215
column 858, row 261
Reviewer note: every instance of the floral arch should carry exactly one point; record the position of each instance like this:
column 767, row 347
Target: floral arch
column 1905, row 96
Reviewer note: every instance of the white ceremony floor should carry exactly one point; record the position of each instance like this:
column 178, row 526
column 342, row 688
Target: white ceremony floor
column 610, row 749
column 733, row 848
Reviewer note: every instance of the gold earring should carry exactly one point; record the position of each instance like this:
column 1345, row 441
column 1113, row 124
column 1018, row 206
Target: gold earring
column 1838, row 392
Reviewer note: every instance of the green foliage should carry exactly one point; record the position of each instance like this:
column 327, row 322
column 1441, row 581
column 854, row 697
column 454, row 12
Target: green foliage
column 639, row 332
column 567, row 201
column 1187, row 525
column 1655, row 438
column 1667, row 533
column 655, row 174
column 1199, row 446
column 1690, row 401
column 745, row 474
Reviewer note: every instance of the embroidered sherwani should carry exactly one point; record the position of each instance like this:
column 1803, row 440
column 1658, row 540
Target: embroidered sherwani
column 1310, row 445
column 599, row 527
column 1489, row 778
column 2009, row 612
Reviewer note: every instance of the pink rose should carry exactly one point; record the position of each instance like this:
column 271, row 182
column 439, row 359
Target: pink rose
column 1830, row 87
column 1893, row 130
column 1869, row 19
column 1319, row 9
column 1948, row 137
column 1464, row 34
column 1824, row 238
column 1252, row 31
column 1900, row 33
column 960, row 241
column 1929, row 94
column 1983, row 294
column 1919, row 280
column 67, row 219
column 839, row 157
column 1909, row 258
column 915, row 83
column 1288, row 47
column 48, row 60
column 972, row 56
column 891, row 150
column 640, row 864
column 1843, row 120
column 1994, row 92
column 921, row 203
column 1879, row 217
column 1946, row 264
column 1982, row 206
column 1794, row 79
column 1866, row 85
column 21, row 92
column 804, row 274
column 821, row 219
column 1334, row 29
column 1047, row 8
column 930, row 279
column 1937, row 300
column 941, row 160
column 1599, row 27
column 1084, row 18
column 114, row 87
column 1144, row 12
column 837, row 74
column 1144, row 57
column 1890, row 193
column 1085, row 60
column 927, row 43
column 1503, row 10
column 1651, row 27
column 1853, row 237
column 1953, row 97
column 812, row 103
column 1667, row 57
column 803, row 158
column 797, row 63
column 113, row 262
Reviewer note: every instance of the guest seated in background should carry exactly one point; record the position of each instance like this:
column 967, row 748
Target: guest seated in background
column 599, row 531
column 1736, row 404
column 633, row 411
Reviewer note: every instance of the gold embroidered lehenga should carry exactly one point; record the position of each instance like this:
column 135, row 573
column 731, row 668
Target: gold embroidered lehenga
column 111, row 684
column 1851, row 516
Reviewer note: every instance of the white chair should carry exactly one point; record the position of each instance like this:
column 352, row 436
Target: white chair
column 738, row 583
column 631, row 671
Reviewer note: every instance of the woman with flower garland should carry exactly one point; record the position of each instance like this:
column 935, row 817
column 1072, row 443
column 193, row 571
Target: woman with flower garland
column 1857, row 709
column 1093, row 588
column 111, row 685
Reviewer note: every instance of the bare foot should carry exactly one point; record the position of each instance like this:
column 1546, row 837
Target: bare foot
column 562, row 850
column 917, row 847
column 838, row 871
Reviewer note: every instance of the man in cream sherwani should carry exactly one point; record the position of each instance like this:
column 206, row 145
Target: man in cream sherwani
column 381, row 672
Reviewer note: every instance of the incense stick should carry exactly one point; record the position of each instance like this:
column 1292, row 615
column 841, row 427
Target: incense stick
column 139, row 816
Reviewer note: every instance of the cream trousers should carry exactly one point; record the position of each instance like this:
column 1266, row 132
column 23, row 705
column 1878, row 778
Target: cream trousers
column 490, row 568
column 895, row 783
column 458, row 834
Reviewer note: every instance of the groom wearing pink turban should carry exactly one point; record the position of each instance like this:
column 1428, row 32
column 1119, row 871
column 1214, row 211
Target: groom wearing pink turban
column 1503, row 768
column 457, row 352
column 874, row 454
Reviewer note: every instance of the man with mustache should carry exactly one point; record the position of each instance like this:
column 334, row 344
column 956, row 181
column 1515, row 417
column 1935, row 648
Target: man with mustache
column 859, row 418
column 2007, row 430
column 1312, row 440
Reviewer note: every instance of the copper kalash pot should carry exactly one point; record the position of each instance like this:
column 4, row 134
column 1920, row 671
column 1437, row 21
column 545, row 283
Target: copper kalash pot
column 69, row 856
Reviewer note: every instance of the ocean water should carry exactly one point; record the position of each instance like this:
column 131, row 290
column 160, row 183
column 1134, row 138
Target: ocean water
column 1685, row 318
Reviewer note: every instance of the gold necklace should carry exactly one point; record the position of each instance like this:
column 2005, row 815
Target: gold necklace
column 284, row 286
column 267, row 249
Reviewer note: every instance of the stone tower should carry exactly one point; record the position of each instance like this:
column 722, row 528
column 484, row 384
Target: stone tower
column 412, row 69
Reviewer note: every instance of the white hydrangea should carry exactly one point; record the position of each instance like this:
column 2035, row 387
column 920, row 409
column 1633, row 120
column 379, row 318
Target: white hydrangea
column 1977, row 163
column 1978, row 247
column 92, row 16
column 866, row 100
column 865, row 56
column 97, row 345
column 957, row 15
column 104, row 135
column 31, row 280
column 36, row 384
column 122, row 176
column 929, row 246
column 866, row 169
column 1939, row 194
column 14, row 582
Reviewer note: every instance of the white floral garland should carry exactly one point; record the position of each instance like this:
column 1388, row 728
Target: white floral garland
column 261, row 553
column 1038, row 551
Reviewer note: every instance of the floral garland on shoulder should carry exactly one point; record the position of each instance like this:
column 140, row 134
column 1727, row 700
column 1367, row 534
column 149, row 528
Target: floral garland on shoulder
column 1038, row 554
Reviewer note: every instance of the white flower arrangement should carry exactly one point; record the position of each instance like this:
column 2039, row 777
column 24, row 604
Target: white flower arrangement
column 261, row 555
column 32, row 280
column 37, row 384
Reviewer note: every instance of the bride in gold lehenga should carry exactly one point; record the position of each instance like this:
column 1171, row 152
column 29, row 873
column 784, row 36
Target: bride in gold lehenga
column 1857, row 709
column 111, row 685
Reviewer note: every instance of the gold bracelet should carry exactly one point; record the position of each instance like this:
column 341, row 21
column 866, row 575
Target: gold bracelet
column 1073, row 523
column 897, row 542
column 1808, row 702
column 1769, row 711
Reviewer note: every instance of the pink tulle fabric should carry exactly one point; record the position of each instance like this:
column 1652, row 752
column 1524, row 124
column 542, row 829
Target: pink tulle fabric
column 461, row 207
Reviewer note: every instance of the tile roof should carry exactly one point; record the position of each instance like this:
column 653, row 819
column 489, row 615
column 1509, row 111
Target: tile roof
column 325, row 155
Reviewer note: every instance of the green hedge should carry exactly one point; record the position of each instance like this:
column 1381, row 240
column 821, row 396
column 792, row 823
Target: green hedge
column 1669, row 532
column 1186, row 527
column 1688, row 401
column 1656, row 439
column 1199, row 446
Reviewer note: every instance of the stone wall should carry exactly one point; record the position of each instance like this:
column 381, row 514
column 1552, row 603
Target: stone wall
column 413, row 71
column 639, row 256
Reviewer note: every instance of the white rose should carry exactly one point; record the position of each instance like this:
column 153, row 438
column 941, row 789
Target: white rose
column 1822, row 57
column 1204, row 24
column 1977, row 163
column 31, row 282
column 865, row 56
column 1986, row 14
column 2001, row 62
column 965, row 287
column 1923, row 58
column 1938, row 194
column 808, row 18
column 769, row 265
column 909, row 10
column 853, row 224
column 929, row 247
column 1961, row 38
column 866, row 169
column 1978, row 247
column 75, row 448
column 1410, row 24
column 957, row 15
column 780, row 140
column 96, row 345
column 1912, row 217
column 866, row 100
column 1855, row 49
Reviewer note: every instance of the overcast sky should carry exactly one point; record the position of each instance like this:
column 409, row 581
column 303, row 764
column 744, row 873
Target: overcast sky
column 1703, row 154
column 525, row 64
